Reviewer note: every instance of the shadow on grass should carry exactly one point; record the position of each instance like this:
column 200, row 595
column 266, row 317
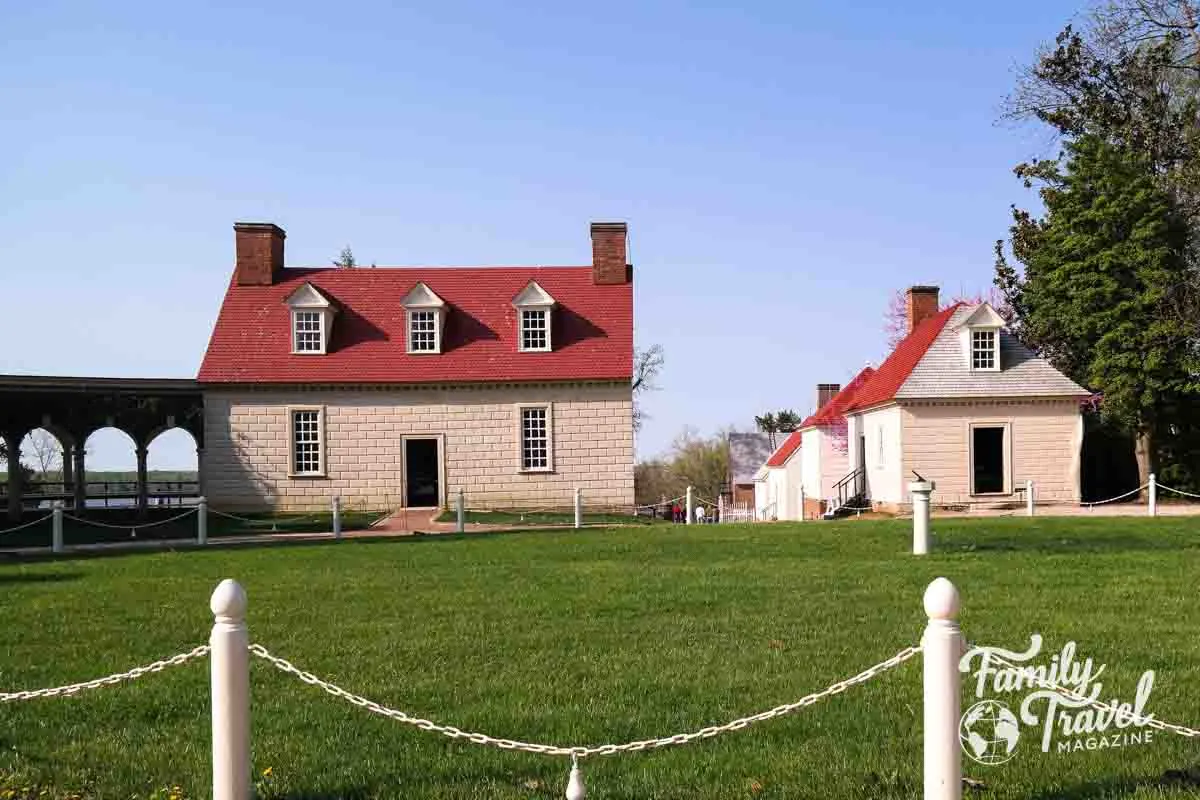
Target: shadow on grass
column 1101, row 543
column 49, row 577
column 1183, row 782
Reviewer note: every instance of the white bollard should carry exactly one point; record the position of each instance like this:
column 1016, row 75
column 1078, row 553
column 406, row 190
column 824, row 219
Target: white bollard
column 56, row 527
column 337, row 517
column 921, row 490
column 1153, row 508
column 691, row 507
column 942, row 645
column 202, row 521
column 230, row 657
column 461, row 507
column 1029, row 498
column 579, row 508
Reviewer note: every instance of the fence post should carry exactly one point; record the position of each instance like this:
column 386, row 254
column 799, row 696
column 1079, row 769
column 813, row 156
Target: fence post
column 942, row 650
column 202, row 521
column 461, row 508
column 1029, row 498
column 1153, row 496
column 56, row 527
column 721, row 508
column 690, row 504
column 578, row 508
column 230, row 693
column 921, row 490
column 337, row 517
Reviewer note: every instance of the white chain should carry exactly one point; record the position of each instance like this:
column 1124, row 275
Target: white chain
column 129, row 527
column 581, row 752
column 1118, row 497
column 1148, row 721
column 136, row 672
column 1160, row 486
column 29, row 524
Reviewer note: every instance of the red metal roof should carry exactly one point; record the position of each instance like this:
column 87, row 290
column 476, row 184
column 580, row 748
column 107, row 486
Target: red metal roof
column 591, row 328
column 834, row 409
column 781, row 455
column 892, row 373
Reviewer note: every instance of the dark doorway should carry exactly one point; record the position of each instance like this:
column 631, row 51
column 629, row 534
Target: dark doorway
column 988, row 454
column 861, row 465
column 421, row 473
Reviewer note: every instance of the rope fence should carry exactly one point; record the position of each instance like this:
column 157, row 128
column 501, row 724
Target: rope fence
column 25, row 525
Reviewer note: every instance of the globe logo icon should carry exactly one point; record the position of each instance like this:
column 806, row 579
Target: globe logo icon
column 989, row 732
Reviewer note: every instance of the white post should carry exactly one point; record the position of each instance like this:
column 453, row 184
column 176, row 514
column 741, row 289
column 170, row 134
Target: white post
column 721, row 508
column 1029, row 498
column 579, row 508
column 691, row 509
column 202, row 521
column 337, row 517
column 942, row 645
column 1153, row 496
column 920, row 490
column 56, row 530
column 230, row 656
column 461, row 507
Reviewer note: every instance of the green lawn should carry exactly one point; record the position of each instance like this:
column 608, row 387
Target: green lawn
column 592, row 637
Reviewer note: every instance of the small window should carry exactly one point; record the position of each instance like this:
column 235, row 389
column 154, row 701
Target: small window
column 987, row 456
column 879, row 434
column 535, row 329
column 535, row 438
column 306, row 442
column 983, row 349
column 307, row 327
column 422, row 331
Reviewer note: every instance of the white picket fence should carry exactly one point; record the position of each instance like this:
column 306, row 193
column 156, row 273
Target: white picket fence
column 229, row 650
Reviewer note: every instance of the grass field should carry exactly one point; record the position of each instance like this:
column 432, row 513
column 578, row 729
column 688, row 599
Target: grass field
column 591, row 637
column 566, row 517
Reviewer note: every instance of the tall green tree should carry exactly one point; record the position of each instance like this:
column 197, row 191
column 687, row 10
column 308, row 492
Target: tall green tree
column 1102, row 270
column 769, row 424
column 346, row 259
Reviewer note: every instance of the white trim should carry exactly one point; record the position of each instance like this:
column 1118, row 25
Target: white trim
column 546, row 316
column 438, row 316
column 440, row 438
column 520, row 415
column 1006, row 449
column 322, row 450
column 995, row 334
column 322, row 330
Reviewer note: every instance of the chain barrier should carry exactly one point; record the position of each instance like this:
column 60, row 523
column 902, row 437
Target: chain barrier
column 1160, row 486
column 29, row 524
column 110, row 680
column 1118, row 497
column 581, row 752
column 129, row 527
column 1149, row 721
column 273, row 521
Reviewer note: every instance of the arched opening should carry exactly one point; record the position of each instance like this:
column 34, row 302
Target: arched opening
column 111, row 463
column 46, row 473
column 172, row 468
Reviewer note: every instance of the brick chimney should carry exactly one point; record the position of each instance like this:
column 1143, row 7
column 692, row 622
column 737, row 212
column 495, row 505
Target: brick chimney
column 610, row 263
column 825, row 393
column 920, row 303
column 259, row 248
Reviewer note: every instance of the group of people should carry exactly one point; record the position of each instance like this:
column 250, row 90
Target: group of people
column 700, row 514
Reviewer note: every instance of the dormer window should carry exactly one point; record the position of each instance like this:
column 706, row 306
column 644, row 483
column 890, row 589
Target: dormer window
column 534, row 307
column 983, row 349
column 312, row 320
column 426, row 318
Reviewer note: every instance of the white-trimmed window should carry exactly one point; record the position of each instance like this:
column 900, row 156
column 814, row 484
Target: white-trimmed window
column 307, row 332
column 984, row 353
column 307, row 434
column 536, row 438
column 424, row 331
column 882, row 448
column 535, row 329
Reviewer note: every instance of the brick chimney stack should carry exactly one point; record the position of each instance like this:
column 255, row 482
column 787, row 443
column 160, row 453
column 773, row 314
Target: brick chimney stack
column 921, row 302
column 610, row 262
column 259, row 248
column 825, row 393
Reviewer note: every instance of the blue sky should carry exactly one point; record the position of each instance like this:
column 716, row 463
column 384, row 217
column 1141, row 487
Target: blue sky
column 783, row 168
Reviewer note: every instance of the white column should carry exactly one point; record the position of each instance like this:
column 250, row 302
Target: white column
column 721, row 508
column 920, row 491
column 56, row 533
column 461, row 508
column 691, row 508
column 942, row 649
column 337, row 517
column 1153, row 508
column 202, row 521
column 1029, row 498
column 230, row 693
column 579, row 508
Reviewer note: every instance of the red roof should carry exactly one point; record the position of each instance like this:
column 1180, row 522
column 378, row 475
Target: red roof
column 892, row 373
column 591, row 328
column 835, row 407
column 781, row 455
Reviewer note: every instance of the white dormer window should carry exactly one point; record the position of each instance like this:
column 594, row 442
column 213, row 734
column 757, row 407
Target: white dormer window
column 983, row 349
column 534, row 308
column 312, row 320
column 426, row 319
